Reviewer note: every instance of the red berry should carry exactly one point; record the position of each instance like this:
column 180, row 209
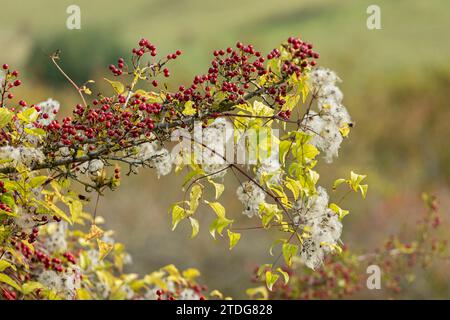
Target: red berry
column 17, row 83
column 5, row 67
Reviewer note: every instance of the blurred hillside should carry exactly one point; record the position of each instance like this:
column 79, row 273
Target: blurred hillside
column 396, row 86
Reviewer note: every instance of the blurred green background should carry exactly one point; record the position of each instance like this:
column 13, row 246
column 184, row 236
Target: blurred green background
column 396, row 86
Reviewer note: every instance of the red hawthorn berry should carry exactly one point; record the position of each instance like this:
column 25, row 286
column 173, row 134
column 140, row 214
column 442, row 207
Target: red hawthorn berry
column 15, row 73
column 17, row 83
column 56, row 260
column 22, row 103
column 10, row 96
column 5, row 66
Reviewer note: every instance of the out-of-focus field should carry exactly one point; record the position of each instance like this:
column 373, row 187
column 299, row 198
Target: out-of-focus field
column 396, row 86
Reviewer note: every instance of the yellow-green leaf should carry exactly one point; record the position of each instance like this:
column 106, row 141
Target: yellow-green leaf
column 284, row 274
column 195, row 226
column 234, row 238
column 31, row 286
column 271, row 279
column 289, row 251
column 118, row 87
column 178, row 214
column 94, row 232
column 218, row 187
column 37, row 181
column 218, row 225
column 196, row 193
column 218, row 208
column 104, row 248
column 188, row 109
column 6, row 279
column 5, row 264
column 5, row 117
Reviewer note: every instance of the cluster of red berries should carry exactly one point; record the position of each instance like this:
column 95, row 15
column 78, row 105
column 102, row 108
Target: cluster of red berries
column 37, row 256
column 117, row 173
column 4, row 206
column 145, row 46
column 285, row 114
column 33, row 235
column 119, row 69
column 70, row 257
column 11, row 80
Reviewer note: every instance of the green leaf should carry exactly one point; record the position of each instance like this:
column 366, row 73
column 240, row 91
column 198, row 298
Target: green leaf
column 178, row 214
column 195, row 226
column 283, row 148
column 28, row 115
column 234, row 238
column 337, row 183
column 190, row 175
column 5, row 117
column 31, row 286
column 6, row 279
column 356, row 179
column 263, row 269
column 55, row 210
column 363, row 188
column 5, row 264
column 340, row 212
column 284, row 274
column 218, row 225
column 37, row 181
column 83, row 294
column 188, row 109
column 196, row 193
column 218, row 208
column 289, row 251
column 294, row 186
column 118, row 87
column 261, row 291
column 219, row 188
column 35, row 131
column 271, row 279
column 104, row 248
